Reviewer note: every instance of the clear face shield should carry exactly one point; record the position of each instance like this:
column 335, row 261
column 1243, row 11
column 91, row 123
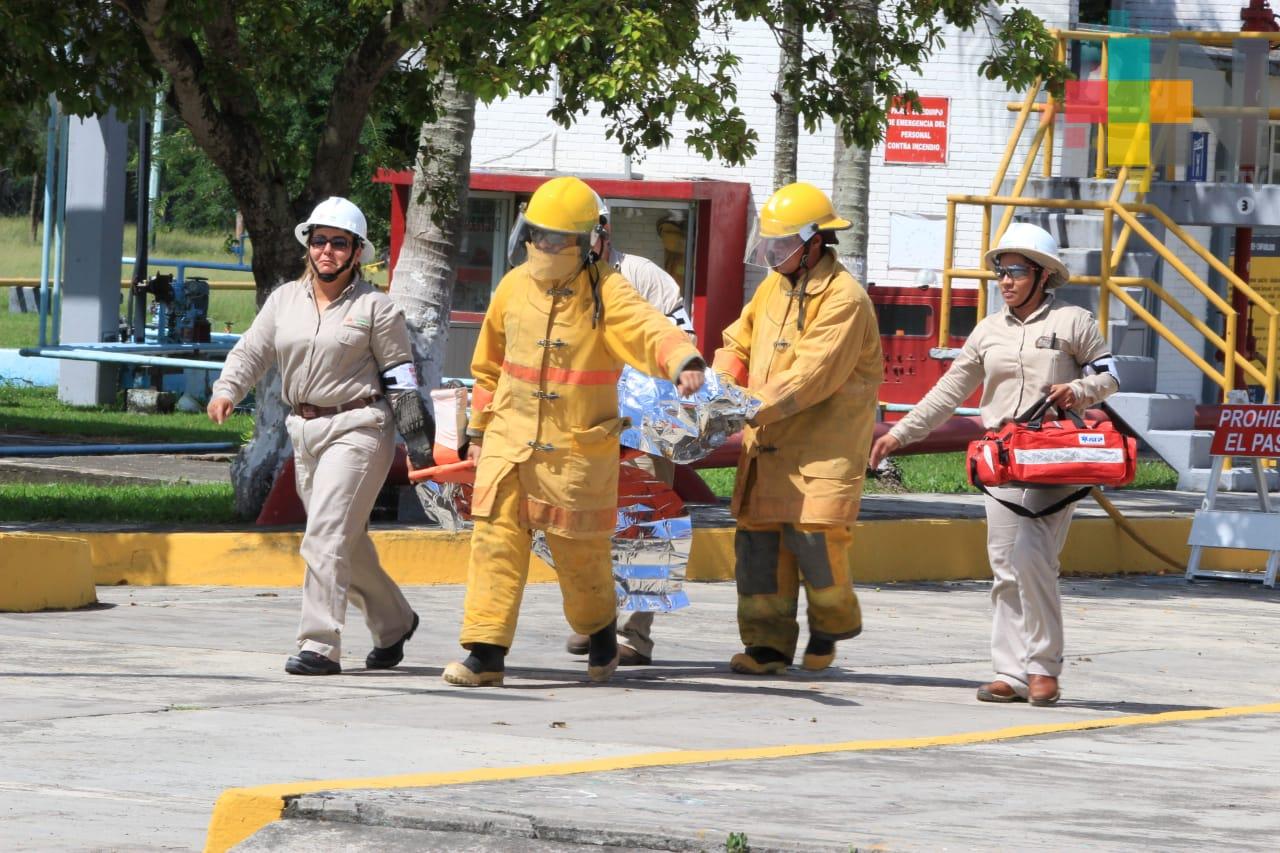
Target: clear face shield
column 774, row 252
column 525, row 236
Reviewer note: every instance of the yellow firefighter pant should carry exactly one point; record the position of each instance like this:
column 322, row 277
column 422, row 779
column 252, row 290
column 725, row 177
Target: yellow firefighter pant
column 499, row 567
column 772, row 560
column 341, row 464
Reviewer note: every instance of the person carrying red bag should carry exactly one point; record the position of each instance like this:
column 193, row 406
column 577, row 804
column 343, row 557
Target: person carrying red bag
column 1035, row 345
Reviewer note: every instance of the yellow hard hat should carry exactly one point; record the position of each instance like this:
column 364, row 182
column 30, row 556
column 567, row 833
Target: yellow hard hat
column 564, row 204
column 797, row 208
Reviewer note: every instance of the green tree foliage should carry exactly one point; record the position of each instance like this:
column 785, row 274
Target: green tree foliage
column 290, row 98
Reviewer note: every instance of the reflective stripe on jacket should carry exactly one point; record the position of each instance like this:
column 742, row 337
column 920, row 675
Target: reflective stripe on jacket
column 546, row 392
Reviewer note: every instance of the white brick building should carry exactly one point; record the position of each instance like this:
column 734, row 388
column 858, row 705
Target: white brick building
column 517, row 135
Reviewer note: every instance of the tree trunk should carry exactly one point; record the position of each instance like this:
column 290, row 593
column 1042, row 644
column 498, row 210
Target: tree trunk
column 37, row 186
column 277, row 258
column 851, row 183
column 786, row 117
column 426, row 270
column 851, row 196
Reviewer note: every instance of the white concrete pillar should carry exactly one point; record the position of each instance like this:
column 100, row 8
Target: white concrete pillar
column 96, row 165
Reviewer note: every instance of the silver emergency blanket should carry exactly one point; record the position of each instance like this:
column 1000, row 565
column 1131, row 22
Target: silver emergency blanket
column 441, row 504
column 683, row 429
column 650, row 556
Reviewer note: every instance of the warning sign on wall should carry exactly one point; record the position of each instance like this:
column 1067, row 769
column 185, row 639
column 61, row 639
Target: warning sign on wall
column 1264, row 278
column 919, row 138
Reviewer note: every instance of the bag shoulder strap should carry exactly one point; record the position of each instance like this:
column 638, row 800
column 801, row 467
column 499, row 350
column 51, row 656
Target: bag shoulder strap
column 1033, row 417
column 1017, row 509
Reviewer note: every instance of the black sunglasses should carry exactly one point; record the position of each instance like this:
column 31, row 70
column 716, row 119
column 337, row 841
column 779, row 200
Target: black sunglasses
column 1014, row 271
column 319, row 241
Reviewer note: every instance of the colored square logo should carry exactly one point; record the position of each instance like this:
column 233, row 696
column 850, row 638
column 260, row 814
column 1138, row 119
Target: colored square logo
column 1171, row 101
column 1128, row 144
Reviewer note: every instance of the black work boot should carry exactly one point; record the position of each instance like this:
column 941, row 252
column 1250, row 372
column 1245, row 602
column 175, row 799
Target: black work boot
column 311, row 663
column 819, row 653
column 485, row 666
column 385, row 658
column 759, row 660
column 602, row 652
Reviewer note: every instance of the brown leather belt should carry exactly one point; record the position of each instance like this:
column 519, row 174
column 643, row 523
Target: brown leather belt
column 306, row 411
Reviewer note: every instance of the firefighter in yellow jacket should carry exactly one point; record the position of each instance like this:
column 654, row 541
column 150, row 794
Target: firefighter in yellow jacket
column 808, row 346
column 544, row 426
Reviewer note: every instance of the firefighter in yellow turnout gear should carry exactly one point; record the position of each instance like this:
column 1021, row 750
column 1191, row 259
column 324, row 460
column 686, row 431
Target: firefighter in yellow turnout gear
column 544, row 426
column 808, row 346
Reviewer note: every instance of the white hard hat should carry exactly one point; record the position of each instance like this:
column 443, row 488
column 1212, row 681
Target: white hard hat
column 336, row 212
column 1037, row 245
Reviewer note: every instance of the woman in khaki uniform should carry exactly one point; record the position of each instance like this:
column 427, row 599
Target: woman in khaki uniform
column 1035, row 345
column 544, row 426
column 341, row 345
column 808, row 346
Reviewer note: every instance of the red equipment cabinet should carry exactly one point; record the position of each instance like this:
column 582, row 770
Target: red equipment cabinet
column 908, row 318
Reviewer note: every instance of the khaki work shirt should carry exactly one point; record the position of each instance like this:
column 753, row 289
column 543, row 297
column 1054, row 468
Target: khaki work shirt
column 654, row 283
column 325, row 359
column 1016, row 361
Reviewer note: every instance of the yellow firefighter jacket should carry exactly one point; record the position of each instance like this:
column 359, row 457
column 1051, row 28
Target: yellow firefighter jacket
column 804, row 454
column 546, row 393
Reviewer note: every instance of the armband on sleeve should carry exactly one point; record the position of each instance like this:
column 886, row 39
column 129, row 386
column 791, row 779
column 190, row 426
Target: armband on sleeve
column 401, row 377
column 681, row 318
column 1103, row 364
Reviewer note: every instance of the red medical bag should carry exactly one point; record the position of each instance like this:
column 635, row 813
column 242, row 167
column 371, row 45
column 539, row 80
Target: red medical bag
column 1031, row 451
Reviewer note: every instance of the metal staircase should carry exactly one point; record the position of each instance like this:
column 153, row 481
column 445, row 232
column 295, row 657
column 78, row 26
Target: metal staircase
column 1123, row 235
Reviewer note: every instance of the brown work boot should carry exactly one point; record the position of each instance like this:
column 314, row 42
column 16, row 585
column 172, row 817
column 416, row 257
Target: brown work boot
column 998, row 691
column 1043, row 690
column 628, row 656
column 577, row 644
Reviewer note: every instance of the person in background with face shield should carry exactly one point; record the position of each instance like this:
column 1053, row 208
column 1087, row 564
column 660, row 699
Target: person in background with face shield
column 342, row 348
column 635, row 638
column 544, row 426
column 1035, row 346
column 808, row 346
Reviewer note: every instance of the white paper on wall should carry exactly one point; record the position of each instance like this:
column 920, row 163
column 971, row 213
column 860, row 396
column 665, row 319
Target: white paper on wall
column 915, row 241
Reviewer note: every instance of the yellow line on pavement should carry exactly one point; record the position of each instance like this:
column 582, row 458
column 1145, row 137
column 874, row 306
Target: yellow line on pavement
column 240, row 812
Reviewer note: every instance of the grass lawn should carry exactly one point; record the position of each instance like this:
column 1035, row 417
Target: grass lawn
column 944, row 473
column 37, row 410
column 229, row 310
column 202, row 503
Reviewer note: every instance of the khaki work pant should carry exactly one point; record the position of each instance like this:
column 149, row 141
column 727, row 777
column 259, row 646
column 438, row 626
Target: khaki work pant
column 636, row 631
column 1026, row 624
column 341, row 464
column 499, row 568
column 771, row 562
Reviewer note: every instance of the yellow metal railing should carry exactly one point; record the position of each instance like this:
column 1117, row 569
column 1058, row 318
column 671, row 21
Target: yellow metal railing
column 1110, row 284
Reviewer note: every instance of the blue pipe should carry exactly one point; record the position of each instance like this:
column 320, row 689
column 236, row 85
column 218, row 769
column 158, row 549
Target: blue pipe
column 50, row 155
column 119, row 358
column 114, row 449
column 203, row 265
column 60, row 226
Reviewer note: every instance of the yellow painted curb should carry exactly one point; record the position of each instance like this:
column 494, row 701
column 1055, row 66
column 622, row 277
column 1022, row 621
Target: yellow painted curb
column 240, row 812
column 42, row 572
column 883, row 552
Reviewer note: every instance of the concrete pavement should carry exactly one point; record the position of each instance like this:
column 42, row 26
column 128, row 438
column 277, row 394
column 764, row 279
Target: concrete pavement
column 121, row 726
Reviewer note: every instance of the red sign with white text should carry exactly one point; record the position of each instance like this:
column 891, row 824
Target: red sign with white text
column 919, row 138
column 1247, row 431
